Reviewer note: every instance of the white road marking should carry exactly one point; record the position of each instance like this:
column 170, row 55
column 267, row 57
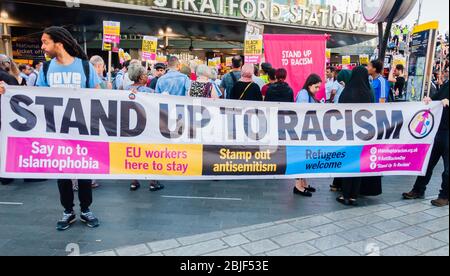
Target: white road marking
column 11, row 203
column 207, row 198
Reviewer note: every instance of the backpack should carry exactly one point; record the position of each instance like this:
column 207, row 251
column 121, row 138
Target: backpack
column 119, row 74
column 235, row 80
column 36, row 79
column 86, row 69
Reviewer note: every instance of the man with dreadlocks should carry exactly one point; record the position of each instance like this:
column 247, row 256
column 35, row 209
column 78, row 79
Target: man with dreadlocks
column 69, row 60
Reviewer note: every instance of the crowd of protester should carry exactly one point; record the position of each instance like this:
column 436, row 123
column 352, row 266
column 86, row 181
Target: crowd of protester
column 245, row 82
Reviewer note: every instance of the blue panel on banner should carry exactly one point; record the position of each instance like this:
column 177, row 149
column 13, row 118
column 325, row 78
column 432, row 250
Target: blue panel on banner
column 308, row 160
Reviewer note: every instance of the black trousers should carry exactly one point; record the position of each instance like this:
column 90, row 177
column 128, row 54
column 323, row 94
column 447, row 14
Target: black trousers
column 351, row 187
column 67, row 196
column 440, row 150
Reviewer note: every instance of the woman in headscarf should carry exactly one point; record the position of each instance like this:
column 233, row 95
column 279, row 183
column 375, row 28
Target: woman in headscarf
column 343, row 78
column 245, row 89
column 357, row 91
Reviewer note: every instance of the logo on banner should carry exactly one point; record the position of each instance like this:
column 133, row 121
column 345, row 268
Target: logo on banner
column 422, row 124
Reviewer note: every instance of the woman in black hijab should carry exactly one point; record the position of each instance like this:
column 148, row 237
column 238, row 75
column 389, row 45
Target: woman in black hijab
column 358, row 91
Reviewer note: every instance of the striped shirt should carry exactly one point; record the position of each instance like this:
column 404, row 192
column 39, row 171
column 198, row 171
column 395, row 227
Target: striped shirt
column 381, row 87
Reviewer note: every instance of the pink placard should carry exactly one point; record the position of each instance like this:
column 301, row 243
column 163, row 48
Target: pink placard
column 37, row 155
column 300, row 55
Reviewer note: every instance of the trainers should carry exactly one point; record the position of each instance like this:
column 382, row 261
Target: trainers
column 89, row 219
column 155, row 186
column 67, row 220
column 95, row 185
column 440, row 202
column 413, row 195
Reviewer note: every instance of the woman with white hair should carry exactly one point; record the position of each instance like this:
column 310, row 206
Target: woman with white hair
column 203, row 87
column 139, row 76
column 99, row 66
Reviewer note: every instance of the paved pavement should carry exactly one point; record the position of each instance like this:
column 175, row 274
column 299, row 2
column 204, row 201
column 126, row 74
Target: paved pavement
column 401, row 228
column 224, row 217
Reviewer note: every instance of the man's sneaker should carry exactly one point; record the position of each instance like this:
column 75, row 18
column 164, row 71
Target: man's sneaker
column 155, row 186
column 413, row 195
column 67, row 220
column 440, row 202
column 89, row 219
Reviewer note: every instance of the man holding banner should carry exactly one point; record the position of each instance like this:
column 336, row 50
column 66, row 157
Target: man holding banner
column 68, row 59
column 440, row 150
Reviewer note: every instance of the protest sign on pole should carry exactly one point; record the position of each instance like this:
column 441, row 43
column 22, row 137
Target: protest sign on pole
column 253, row 49
column 111, row 41
column 364, row 59
column 253, row 45
column 346, row 60
column 110, row 135
column 149, row 48
column 328, row 55
column 421, row 60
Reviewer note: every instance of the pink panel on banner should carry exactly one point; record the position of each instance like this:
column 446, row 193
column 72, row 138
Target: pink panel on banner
column 253, row 59
column 35, row 155
column 386, row 158
column 300, row 55
column 111, row 38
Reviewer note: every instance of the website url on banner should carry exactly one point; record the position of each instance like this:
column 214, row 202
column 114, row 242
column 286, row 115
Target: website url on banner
column 394, row 151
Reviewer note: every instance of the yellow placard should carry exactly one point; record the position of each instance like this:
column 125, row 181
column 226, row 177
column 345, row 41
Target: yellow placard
column 364, row 59
column 150, row 45
column 229, row 61
column 107, row 46
column 328, row 53
column 166, row 160
column 253, row 47
column 399, row 60
column 161, row 59
column 346, row 60
column 111, row 28
column 214, row 62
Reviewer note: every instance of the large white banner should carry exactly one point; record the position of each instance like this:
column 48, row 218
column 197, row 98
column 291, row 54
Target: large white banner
column 100, row 134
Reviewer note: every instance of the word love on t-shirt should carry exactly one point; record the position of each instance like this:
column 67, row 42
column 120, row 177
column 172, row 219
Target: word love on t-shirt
column 65, row 79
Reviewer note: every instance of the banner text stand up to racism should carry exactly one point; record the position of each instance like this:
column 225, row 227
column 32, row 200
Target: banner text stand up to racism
column 73, row 133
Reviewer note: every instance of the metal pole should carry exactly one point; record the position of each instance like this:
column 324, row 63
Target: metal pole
column 420, row 12
column 109, row 65
column 391, row 17
column 6, row 37
column 84, row 38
